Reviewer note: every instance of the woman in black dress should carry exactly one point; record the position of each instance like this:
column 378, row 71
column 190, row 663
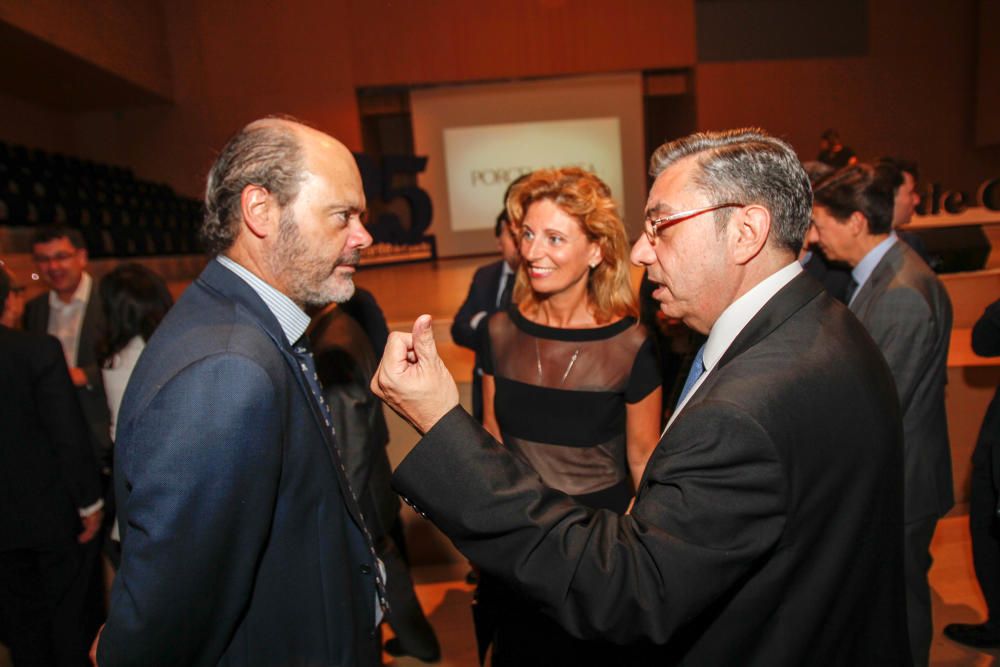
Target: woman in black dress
column 572, row 384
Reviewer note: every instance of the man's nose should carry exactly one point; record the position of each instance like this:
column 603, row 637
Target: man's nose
column 361, row 237
column 812, row 236
column 642, row 252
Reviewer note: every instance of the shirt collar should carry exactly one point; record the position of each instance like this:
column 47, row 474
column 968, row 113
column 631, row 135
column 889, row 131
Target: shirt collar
column 740, row 312
column 863, row 271
column 292, row 319
column 80, row 295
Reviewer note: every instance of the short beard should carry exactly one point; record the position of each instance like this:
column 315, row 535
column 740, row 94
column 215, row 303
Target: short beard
column 306, row 274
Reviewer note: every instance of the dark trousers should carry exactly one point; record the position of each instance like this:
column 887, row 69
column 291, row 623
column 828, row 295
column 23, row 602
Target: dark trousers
column 405, row 614
column 42, row 596
column 983, row 527
column 917, row 562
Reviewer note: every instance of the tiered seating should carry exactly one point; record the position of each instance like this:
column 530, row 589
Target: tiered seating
column 119, row 215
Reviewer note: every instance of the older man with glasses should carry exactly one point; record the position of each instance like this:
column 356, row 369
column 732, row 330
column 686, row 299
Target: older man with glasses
column 767, row 529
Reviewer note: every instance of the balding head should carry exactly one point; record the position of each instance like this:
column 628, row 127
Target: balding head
column 272, row 153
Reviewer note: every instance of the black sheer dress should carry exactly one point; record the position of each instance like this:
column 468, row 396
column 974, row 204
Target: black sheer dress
column 560, row 403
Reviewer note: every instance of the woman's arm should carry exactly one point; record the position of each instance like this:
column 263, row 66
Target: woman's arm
column 642, row 431
column 489, row 414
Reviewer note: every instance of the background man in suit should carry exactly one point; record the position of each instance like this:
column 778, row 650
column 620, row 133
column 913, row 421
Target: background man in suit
column 490, row 291
column 71, row 312
column 48, row 476
column 907, row 311
column 242, row 542
column 984, row 499
column 767, row 526
column 833, row 275
column 346, row 361
column 901, row 176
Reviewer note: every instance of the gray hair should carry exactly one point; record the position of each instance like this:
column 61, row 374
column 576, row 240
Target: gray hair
column 265, row 154
column 747, row 166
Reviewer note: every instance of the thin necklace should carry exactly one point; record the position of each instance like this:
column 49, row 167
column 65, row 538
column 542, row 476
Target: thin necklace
column 569, row 366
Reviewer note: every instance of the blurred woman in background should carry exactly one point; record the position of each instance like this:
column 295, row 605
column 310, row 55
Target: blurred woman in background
column 134, row 300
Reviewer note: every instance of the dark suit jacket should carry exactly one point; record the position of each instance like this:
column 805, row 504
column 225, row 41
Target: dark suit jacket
column 47, row 467
column 369, row 316
column 907, row 311
column 92, row 399
column 914, row 241
column 986, row 343
column 239, row 544
column 833, row 276
column 482, row 296
column 345, row 362
column 767, row 527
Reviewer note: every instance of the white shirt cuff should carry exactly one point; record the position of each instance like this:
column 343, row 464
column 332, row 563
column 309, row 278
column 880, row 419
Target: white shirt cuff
column 477, row 318
column 90, row 509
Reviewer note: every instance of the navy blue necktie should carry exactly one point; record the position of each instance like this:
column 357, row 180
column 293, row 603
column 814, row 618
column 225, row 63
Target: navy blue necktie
column 697, row 369
column 307, row 364
column 852, row 287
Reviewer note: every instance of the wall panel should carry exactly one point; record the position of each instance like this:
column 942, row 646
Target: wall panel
column 912, row 96
column 124, row 37
column 456, row 40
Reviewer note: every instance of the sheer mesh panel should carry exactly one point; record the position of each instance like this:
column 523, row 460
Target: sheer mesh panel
column 576, row 442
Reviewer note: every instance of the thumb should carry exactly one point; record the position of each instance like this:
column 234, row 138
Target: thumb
column 423, row 339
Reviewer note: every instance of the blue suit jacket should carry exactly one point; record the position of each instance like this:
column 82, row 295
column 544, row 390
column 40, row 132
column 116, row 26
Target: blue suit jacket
column 241, row 544
column 482, row 296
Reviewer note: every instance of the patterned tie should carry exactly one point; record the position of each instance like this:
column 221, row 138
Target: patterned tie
column 697, row 368
column 307, row 364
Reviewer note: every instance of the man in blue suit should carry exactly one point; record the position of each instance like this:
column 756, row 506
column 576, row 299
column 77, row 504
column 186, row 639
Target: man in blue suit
column 242, row 543
column 489, row 292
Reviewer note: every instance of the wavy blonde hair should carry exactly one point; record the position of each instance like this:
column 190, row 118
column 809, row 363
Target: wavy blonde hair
column 587, row 198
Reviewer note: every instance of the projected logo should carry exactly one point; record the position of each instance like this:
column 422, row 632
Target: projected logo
column 481, row 161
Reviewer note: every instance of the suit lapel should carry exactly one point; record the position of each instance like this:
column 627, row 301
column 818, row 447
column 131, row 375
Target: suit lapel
column 223, row 281
column 36, row 318
column 789, row 300
column 881, row 276
column 90, row 328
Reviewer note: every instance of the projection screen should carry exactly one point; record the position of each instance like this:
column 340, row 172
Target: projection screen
column 478, row 138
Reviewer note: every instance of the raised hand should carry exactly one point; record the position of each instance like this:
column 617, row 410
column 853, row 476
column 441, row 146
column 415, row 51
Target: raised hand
column 412, row 379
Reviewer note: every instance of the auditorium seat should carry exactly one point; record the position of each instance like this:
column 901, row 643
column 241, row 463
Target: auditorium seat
column 119, row 215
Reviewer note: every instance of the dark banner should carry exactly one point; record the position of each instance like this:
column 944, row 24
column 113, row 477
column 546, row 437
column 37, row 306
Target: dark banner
column 399, row 211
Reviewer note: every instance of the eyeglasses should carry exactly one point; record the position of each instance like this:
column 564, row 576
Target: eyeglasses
column 653, row 227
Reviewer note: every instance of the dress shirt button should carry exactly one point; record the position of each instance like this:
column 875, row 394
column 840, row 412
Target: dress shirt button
column 366, row 569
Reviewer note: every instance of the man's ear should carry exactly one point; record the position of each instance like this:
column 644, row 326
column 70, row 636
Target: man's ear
column 259, row 210
column 750, row 227
column 858, row 223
